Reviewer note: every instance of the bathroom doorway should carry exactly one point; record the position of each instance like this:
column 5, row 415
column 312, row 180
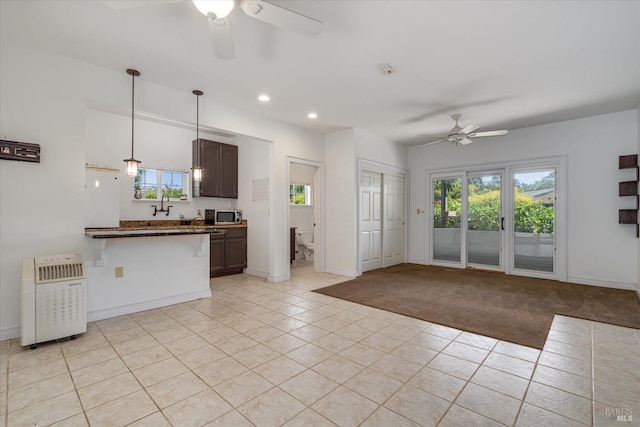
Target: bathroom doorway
column 305, row 213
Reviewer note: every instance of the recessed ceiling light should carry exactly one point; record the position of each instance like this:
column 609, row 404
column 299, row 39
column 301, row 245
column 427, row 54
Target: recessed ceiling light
column 312, row 115
column 264, row 98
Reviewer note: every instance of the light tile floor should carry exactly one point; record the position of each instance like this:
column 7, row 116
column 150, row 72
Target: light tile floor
column 271, row 354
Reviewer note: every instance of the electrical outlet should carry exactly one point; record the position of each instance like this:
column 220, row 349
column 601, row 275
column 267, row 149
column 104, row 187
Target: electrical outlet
column 119, row 272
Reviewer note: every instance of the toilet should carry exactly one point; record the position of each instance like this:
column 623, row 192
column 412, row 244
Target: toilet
column 307, row 247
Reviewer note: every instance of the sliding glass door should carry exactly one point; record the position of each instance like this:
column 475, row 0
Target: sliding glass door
column 485, row 221
column 447, row 214
column 505, row 219
column 534, row 220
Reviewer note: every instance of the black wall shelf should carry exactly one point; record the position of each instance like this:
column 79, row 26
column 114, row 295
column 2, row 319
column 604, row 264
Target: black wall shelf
column 629, row 189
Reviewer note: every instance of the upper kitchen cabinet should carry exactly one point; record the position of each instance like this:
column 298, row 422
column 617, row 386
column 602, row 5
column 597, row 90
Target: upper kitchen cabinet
column 220, row 164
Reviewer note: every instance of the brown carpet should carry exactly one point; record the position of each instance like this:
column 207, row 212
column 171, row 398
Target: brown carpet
column 509, row 308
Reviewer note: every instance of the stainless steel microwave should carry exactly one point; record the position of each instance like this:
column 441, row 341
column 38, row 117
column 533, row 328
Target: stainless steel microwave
column 222, row 216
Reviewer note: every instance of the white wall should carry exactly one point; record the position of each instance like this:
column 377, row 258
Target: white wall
column 158, row 271
column 158, row 146
column 167, row 146
column 340, row 203
column 44, row 100
column 343, row 149
column 638, row 151
column 374, row 148
column 600, row 251
column 251, row 167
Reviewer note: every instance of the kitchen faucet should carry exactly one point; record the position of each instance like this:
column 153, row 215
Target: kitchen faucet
column 162, row 209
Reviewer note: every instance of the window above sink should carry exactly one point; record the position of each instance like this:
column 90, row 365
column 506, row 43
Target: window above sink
column 154, row 183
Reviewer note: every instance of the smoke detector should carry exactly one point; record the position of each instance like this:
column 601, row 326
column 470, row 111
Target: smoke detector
column 385, row 69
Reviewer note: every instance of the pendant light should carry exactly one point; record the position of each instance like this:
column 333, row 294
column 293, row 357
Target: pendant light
column 197, row 168
column 132, row 163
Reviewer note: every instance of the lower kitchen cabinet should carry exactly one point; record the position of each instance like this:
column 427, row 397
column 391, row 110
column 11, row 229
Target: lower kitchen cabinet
column 228, row 252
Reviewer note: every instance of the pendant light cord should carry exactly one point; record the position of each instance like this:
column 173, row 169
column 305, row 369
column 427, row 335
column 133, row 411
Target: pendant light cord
column 197, row 93
column 133, row 83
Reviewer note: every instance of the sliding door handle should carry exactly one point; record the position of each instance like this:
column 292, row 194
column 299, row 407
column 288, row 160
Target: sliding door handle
column 502, row 223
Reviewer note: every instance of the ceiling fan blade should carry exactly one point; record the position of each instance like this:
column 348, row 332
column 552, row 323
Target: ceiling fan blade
column 281, row 17
column 488, row 133
column 465, row 141
column 222, row 40
column 130, row 4
column 468, row 128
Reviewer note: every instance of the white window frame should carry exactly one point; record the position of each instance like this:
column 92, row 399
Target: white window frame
column 186, row 187
column 307, row 195
column 560, row 163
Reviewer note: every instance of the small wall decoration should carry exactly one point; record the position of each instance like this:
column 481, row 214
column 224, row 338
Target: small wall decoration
column 21, row 151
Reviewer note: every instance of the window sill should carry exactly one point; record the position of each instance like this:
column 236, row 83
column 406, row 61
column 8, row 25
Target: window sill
column 158, row 201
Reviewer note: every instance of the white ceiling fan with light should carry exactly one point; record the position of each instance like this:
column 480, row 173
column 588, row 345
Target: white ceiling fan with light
column 218, row 11
column 462, row 135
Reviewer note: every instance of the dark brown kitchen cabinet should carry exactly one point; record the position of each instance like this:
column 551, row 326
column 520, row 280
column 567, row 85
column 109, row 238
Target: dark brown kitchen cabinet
column 229, row 171
column 228, row 252
column 220, row 164
column 216, row 254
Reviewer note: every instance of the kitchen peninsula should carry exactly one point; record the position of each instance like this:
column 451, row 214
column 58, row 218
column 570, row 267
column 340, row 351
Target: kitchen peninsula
column 146, row 264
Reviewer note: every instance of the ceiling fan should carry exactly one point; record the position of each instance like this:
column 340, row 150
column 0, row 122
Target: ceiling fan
column 462, row 135
column 218, row 11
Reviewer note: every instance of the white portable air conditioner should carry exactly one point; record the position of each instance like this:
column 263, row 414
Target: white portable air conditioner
column 53, row 298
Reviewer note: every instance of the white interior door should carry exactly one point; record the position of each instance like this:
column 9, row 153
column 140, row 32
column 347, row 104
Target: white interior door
column 370, row 220
column 394, row 203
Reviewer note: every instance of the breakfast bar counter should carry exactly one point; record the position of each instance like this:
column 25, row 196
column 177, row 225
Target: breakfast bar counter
column 168, row 262
column 134, row 228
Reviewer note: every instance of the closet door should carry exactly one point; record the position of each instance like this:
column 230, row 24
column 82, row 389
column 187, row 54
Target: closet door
column 394, row 203
column 370, row 220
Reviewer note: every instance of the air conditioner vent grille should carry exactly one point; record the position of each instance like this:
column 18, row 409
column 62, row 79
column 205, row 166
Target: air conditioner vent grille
column 57, row 272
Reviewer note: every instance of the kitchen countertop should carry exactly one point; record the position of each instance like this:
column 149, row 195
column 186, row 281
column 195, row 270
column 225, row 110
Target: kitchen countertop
column 150, row 228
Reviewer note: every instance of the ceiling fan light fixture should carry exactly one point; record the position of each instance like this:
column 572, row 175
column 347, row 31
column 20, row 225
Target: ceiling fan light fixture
column 218, row 8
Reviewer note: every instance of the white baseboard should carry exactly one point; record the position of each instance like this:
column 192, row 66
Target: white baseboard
column 417, row 261
column 10, row 333
column 146, row 305
column 602, row 283
column 276, row 279
column 346, row 273
column 257, row 273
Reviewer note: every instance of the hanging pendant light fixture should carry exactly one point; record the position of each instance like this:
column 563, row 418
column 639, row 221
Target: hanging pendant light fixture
column 197, row 168
column 132, row 163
